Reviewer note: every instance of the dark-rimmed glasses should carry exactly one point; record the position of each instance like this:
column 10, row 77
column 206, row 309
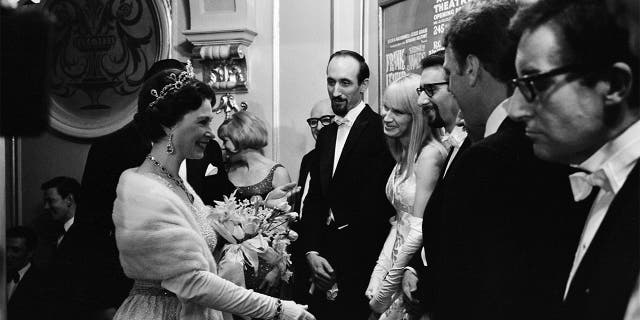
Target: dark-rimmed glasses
column 430, row 88
column 532, row 85
column 325, row 120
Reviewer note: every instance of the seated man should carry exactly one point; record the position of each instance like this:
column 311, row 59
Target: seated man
column 26, row 289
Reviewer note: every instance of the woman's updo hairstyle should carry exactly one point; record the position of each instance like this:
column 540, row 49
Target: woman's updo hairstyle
column 245, row 130
column 170, row 109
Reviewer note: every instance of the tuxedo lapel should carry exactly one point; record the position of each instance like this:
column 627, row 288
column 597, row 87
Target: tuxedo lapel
column 465, row 145
column 326, row 162
column 356, row 130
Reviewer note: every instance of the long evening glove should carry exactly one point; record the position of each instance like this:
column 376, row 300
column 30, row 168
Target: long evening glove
column 207, row 289
column 392, row 282
column 384, row 262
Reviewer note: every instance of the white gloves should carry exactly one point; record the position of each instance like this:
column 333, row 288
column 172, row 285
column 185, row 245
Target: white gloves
column 384, row 262
column 393, row 280
column 209, row 290
column 294, row 311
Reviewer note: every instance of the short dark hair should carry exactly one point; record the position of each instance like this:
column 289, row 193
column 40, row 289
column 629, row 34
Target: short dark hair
column 434, row 59
column 26, row 233
column 480, row 28
column 169, row 110
column 363, row 72
column 577, row 24
column 64, row 185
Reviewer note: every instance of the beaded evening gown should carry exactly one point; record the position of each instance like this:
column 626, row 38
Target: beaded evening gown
column 252, row 280
column 261, row 188
column 405, row 237
column 401, row 192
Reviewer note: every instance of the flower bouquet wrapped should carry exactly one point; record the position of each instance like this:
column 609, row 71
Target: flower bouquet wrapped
column 253, row 230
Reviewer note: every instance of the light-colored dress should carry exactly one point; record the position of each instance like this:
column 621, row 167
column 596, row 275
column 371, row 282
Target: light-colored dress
column 165, row 245
column 404, row 240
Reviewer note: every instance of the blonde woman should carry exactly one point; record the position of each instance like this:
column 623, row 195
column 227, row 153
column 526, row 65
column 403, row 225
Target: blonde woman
column 419, row 159
column 244, row 137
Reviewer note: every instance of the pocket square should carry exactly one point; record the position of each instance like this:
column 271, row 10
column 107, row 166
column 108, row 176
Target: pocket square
column 211, row 171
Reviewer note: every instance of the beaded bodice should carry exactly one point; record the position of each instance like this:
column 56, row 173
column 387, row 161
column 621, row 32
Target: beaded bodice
column 261, row 188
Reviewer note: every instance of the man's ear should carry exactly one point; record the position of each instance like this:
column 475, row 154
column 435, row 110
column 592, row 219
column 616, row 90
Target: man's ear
column 620, row 81
column 364, row 85
column 69, row 199
column 472, row 69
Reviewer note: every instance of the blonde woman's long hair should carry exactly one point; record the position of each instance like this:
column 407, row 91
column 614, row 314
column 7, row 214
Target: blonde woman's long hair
column 402, row 95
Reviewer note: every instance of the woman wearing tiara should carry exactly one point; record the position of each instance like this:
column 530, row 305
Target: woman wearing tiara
column 162, row 233
column 419, row 158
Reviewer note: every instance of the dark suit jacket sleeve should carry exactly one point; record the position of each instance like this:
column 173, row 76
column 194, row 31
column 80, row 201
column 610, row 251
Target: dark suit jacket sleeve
column 305, row 166
column 316, row 206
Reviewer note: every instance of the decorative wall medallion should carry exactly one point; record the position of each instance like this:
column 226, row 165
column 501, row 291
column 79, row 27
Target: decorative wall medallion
column 101, row 51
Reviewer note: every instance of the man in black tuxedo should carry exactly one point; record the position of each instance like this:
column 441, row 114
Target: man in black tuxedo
column 436, row 101
column 499, row 230
column 580, row 105
column 107, row 159
column 26, row 284
column 321, row 115
column 346, row 211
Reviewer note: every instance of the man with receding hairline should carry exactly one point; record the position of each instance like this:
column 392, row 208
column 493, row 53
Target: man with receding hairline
column 493, row 240
column 580, row 104
column 346, row 208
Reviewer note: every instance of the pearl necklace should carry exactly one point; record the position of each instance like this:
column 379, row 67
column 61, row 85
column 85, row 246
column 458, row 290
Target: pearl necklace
column 177, row 181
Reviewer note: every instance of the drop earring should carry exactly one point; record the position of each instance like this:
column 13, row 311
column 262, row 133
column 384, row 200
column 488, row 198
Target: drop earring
column 170, row 148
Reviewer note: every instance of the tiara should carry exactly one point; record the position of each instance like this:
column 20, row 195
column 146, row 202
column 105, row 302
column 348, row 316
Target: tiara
column 178, row 82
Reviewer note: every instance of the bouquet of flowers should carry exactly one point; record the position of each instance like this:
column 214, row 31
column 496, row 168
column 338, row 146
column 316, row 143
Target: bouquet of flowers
column 253, row 230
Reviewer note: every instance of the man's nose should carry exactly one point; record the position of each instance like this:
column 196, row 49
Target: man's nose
column 336, row 91
column 423, row 99
column 518, row 108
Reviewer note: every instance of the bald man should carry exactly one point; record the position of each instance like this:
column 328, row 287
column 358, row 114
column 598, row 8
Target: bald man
column 320, row 116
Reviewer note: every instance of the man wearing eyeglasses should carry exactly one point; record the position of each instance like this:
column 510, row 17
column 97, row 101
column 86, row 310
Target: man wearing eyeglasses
column 321, row 116
column 579, row 102
column 493, row 227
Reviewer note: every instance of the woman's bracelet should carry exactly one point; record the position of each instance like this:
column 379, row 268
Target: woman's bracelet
column 278, row 314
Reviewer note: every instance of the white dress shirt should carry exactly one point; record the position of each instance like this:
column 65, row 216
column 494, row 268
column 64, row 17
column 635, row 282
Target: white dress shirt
column 341, row 139
column 496, row 118
column 343, row 132
column 616, row 158
column 305, row 189
column 182, row 170
column 11, row 285
column 66, row 227
column 633, row 309
column 455, row 138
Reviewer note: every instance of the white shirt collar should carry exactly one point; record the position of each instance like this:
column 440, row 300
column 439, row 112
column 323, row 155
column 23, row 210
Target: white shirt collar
column 496, row 118
column 68, row 224
column 354, row 113
column 24, row 270
column 617, row 157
